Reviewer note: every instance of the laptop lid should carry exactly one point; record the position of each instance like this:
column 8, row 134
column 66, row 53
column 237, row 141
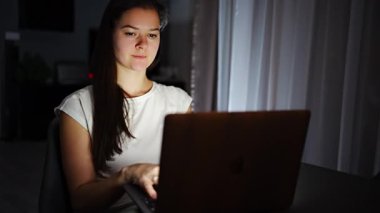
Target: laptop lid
column 230, row 162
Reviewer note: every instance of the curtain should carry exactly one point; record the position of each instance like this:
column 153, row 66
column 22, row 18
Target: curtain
column 263, row 58
column 204, row 52
column 307, row 54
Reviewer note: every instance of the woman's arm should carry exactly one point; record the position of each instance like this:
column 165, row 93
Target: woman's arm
column 86, row 190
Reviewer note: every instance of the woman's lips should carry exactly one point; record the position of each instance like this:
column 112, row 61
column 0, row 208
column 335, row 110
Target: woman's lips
column 139, row 56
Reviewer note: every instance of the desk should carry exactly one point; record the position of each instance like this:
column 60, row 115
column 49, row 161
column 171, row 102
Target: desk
column 323, row 190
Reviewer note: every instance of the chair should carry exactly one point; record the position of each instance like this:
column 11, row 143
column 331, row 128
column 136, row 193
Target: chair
column 54, row 196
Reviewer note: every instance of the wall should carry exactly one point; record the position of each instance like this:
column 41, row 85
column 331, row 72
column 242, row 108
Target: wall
column 180, row 39
column 65, row 46
column 52, row 46
column 8, row 21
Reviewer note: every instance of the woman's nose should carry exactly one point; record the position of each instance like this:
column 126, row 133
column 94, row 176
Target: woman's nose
column 141, row 42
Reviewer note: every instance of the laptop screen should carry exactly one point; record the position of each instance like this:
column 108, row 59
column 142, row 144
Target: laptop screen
column 238, row 162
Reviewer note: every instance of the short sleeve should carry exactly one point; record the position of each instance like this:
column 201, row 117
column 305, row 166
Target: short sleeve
column 78, row 106
column 178, row 100
column 184, row 100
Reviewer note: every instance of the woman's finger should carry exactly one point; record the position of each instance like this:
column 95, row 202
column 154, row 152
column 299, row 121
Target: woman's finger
column 150, row 189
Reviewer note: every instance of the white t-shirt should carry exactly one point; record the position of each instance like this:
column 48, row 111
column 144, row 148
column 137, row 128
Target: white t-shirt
column 146, row 115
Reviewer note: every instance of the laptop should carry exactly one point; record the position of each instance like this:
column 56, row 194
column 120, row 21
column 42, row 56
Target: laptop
column 228, row 162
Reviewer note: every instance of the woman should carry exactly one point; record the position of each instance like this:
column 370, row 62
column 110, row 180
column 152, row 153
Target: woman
column 111, row 131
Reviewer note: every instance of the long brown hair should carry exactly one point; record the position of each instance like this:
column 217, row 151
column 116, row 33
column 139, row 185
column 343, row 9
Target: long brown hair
column 110, row 106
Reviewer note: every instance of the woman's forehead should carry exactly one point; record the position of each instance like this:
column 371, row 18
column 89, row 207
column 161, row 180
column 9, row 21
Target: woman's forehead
column 139, row 18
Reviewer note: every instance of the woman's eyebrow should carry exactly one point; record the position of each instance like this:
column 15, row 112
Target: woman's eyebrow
column 136, row 28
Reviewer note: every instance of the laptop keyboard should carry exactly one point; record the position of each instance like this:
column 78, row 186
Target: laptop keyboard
column 150, row 203
column 143, row 201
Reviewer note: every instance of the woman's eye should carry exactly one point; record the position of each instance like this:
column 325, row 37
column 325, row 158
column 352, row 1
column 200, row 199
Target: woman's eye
column 130, row 34
column 152, row 36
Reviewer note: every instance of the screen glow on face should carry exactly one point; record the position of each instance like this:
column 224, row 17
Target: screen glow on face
column 137, row 38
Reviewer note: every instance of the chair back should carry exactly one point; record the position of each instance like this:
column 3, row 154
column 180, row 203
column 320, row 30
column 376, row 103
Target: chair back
column 54, row 196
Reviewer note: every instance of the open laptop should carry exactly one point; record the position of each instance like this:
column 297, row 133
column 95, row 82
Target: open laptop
column 228, row 162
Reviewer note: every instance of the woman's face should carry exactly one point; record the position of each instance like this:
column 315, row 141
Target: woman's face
column 137, row 38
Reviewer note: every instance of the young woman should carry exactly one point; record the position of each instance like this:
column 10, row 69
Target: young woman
column 111, row 131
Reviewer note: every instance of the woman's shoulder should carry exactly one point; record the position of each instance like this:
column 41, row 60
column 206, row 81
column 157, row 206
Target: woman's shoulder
column 78, row 105
column 83, row 92
column 170, row 90
column 175, row 96
column 79, row 97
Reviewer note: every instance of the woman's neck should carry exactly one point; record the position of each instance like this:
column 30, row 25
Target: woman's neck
column 134, row 83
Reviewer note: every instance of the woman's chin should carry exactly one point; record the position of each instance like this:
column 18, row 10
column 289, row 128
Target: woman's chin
column 139, row 68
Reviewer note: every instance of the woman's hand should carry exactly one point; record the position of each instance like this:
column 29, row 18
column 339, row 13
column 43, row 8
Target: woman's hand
column 144, row 175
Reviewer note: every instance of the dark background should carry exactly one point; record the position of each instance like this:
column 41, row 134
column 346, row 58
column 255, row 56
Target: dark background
column 45, row 47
